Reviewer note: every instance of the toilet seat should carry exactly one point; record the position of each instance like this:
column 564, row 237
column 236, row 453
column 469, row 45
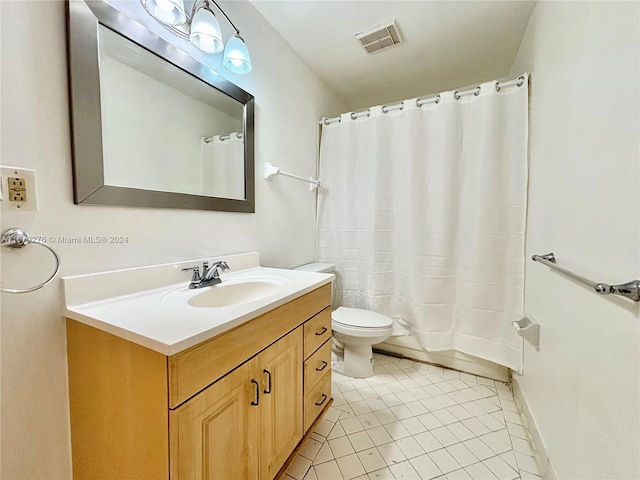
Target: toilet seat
column 359, row 322
column 355, row 331
column 359, row 331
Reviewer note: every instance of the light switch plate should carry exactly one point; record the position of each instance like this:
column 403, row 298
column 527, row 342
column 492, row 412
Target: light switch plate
column 18, row 189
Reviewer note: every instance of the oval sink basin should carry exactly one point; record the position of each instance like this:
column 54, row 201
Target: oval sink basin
column 227, row 294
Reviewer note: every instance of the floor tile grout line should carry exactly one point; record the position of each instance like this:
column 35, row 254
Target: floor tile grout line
column 487, row 398
column 441, row 447
column 519, row 470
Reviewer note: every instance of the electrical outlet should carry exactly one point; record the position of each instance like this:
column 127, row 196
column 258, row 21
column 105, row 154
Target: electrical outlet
column 18, row 189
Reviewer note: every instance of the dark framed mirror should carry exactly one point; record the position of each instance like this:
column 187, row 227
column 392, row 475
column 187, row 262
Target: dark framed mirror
column 152, row 126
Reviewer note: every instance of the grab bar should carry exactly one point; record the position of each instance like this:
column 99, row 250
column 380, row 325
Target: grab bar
column 630, row 289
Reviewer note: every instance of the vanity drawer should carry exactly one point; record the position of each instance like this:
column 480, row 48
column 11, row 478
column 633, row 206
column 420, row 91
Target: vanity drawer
column 317, row 365
column 316, row 400
column 317, row 331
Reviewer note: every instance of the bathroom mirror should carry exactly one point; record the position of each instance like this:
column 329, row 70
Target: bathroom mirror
column 153, row 127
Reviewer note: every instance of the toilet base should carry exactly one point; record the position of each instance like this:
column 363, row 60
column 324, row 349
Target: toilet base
column 358, row 361
column 337, row 366
column 351, row 360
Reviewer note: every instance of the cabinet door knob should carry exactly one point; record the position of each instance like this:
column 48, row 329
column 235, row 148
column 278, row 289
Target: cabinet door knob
column 257, row 401
column 324, row 399
column 322, row 332
column 324, row 365
column 268, row 390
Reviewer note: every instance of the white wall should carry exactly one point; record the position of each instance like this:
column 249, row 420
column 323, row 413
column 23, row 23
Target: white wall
column 35, row 134
column 584, row 196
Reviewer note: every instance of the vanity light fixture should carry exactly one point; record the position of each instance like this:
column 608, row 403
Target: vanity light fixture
column 202, row 29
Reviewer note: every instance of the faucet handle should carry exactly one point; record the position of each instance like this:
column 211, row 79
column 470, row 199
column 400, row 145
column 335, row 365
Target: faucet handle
column 205, row 269
column 223, row 266
column 196, row 273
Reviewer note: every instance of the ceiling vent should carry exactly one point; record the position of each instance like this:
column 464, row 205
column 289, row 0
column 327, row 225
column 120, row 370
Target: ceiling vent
column 380, row 37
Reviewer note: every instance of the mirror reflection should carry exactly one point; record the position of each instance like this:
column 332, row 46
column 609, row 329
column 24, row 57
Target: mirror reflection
column 164, row 129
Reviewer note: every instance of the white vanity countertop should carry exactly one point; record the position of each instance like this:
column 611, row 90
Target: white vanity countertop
column 148, row 305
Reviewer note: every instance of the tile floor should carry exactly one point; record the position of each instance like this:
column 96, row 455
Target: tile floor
column 416, row 421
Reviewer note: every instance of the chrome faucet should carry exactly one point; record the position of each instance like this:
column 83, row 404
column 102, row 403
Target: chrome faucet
column 210, row 275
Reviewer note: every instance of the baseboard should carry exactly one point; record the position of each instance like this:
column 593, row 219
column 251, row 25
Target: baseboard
column 407, row 346
column 540, row 453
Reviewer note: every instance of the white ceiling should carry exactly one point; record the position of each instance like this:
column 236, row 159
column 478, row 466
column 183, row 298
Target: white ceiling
column 448, row 44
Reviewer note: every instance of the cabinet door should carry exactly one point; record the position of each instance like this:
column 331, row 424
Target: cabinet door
column 280, row 402
column 213, row 435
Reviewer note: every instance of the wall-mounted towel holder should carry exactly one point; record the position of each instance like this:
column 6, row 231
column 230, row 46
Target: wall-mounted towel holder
column 17, row 238
column 629, row 290
column 529, row 330
column 271, row 171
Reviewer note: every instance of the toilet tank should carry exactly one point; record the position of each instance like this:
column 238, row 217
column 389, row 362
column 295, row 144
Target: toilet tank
column 317, row 267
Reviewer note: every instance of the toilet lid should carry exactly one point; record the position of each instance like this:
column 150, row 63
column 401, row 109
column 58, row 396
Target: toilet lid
column 357, row 317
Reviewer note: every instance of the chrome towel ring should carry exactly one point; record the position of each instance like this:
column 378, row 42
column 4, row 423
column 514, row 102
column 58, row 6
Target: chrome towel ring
column 18, row 238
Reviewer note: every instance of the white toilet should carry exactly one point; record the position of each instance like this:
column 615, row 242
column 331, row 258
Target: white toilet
column 354, row 332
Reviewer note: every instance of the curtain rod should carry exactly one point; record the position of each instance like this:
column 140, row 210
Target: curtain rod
column 424, row 101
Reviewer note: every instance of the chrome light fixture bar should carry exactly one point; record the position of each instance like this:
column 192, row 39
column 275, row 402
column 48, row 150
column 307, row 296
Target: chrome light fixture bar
column 202, row 29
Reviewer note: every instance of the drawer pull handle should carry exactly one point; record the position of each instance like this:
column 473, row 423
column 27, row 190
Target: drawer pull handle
column 324, row 399
column 324, row 365
column 268, row 390
column 322, row 332
column 257, row 392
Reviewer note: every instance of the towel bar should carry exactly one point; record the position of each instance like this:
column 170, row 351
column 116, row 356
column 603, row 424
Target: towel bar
column 630, row 289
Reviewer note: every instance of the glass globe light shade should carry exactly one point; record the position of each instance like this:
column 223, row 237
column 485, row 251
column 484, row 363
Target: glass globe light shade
column 169, row 12
column 236, row 56
column 205, row 31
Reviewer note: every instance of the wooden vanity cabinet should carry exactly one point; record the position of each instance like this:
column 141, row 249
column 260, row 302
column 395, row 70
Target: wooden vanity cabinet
column 247, row 422
column 233, row 407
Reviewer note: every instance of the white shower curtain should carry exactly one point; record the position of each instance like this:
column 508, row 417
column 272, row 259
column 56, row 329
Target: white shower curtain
column 423, row 212
column 222, row 159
